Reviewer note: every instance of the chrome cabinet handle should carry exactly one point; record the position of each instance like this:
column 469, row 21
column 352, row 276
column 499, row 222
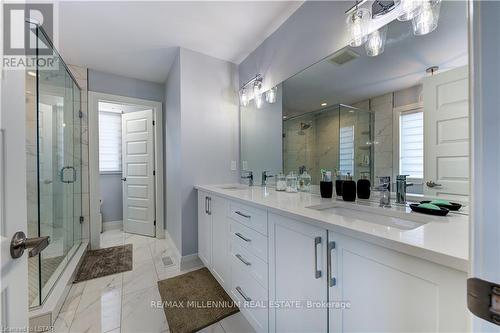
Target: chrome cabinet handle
column 206, row 205
column 244, row 215
column 248, row 240
column 248, row 299
column 20, row 242
column 331, row 280
column 61, row 174
column 243, row 260
column 317, row 272
column 431, row 184
column 209, row 205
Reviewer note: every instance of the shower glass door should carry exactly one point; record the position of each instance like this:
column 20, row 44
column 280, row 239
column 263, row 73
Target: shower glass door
column 59, row 169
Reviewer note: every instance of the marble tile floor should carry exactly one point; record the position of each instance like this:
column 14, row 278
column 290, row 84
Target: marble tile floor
column 122, row 302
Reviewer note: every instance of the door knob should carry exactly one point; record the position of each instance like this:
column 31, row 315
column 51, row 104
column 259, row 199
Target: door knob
column 431, row 184
column 20, row 243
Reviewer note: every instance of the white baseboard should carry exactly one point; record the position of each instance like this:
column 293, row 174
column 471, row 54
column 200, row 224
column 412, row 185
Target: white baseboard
column 184, row 262
column 112, row 225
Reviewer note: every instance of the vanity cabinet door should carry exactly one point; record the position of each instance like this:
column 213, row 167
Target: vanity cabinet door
column 392, row 292
column 204, row 229
column 297, row 276
column 220, row 240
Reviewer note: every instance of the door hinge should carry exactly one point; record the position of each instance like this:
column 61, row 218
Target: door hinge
column 154, row 172
column 80, row 114
column 153, row 122
column 82, row 219
column 483, row 299
column 154, row 222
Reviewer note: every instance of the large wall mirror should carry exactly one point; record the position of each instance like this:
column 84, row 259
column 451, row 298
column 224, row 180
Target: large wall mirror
column 403, row 112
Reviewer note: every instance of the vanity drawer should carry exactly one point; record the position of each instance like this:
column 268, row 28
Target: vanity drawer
column 251, row 217
column 252, row 297
column 249, row 239
column 249, row 263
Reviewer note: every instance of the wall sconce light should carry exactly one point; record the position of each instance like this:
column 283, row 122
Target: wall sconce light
column 427, row 20
column 375, row 44
column 244, row 98
column 271, row 95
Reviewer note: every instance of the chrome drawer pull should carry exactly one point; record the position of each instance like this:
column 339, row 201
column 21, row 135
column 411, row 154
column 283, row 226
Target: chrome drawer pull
column 243, row 260
column 248, row 299
column 248, row 240
column 317, row 272
column 244, row 215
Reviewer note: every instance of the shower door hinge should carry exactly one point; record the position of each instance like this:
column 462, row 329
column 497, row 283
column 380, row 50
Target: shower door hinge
column 154, row 222
column 153, row 122
column 82, row 219
column 80, row 114
column 154, row 172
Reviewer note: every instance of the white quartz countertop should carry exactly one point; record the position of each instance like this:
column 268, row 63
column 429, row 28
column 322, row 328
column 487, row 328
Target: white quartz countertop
column 443, row 240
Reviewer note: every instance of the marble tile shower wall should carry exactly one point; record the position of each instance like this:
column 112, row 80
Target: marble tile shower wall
column 383, row 108
column 80, row 74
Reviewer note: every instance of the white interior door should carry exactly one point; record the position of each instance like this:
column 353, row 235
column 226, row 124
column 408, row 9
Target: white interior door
column 138, row 173
column 446, row 135
column 13, row 211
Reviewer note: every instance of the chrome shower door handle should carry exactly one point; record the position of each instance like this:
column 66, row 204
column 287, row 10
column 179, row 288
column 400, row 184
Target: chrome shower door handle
column 61, row 174
column 317, row 272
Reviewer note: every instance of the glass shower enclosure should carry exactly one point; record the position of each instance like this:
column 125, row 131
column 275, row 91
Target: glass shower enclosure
column 339, row 138
column 55, row 188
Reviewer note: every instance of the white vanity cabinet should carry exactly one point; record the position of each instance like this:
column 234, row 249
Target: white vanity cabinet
column 204, row 229
column 297, row 274
column 364, row 287
column 389, row 291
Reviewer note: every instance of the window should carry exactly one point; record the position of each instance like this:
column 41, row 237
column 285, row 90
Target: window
column 411, row 144
column 110, row 142
column 347, row 150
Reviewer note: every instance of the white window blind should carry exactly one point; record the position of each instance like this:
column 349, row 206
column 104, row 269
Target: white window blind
column 347, row 150
column 110, row 142
column 411, row 144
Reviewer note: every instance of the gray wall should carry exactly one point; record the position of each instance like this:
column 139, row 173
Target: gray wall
column 202, row 136
column 124, row 86
column 111, row 194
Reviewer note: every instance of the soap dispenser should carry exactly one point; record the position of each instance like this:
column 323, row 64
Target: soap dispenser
column 363, row 187
column 349, row 189
column 338, row 183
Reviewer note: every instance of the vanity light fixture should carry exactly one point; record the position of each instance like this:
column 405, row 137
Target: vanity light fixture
column 271, row 95
column 427, row 20
column 376, row 42
column 357, row 24
column 409, row 9
column 257, row 93
column 244, row 100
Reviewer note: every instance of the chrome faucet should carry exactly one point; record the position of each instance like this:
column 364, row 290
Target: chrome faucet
column 264, row 177
column 385, row 191
column 401, row 186
column 249, row 177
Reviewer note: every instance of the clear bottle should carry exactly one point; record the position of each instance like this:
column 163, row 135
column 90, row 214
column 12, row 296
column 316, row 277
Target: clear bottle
column 291, row 183
column 281, row 182
column 305, row 182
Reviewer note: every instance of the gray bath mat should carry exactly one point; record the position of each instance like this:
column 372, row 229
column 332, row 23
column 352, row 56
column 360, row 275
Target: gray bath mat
column 187, row 294
column 107, row 261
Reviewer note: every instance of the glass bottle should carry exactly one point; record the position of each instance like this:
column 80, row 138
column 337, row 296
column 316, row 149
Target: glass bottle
column 281, row 182
column 291, row 183
column 305, row 182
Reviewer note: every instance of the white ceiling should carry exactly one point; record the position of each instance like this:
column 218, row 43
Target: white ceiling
column 139, row 39
column 402, row 65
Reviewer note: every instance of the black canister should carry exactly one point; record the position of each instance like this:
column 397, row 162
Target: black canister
column 349, row 189
column 326, row 189
column 363, row 188
column 338, row 185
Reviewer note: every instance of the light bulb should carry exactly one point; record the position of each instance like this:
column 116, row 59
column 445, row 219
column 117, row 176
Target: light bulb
column 410, row 9
column 427, row 20
column 357, row 24
column 271, row 95
column 375, row 44
column 258, row 101
column 244, row 97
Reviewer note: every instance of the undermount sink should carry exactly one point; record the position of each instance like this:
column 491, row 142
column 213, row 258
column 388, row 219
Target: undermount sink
column 233, row 187
column 397, row 218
